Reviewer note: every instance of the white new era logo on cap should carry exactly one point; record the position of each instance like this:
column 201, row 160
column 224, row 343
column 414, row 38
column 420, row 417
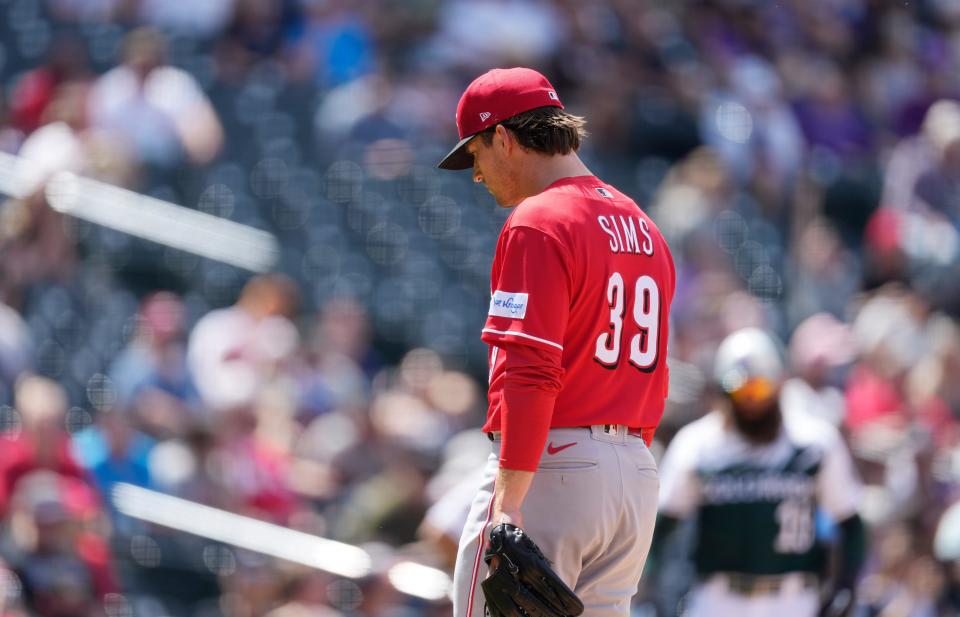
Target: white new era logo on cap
column 484, row 115
column 553, row 95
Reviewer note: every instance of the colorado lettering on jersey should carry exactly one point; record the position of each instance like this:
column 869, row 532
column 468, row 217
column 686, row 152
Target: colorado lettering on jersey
column 623, row 234
column 754, row 487
column 508, row 304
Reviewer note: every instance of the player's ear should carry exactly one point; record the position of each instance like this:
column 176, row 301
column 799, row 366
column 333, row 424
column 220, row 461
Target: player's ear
column 504, row 139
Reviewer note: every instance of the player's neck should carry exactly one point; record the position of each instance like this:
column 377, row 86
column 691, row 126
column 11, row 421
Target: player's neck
column 542, row 171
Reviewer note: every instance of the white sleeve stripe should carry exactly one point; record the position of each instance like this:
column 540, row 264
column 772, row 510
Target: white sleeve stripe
column 524, row 335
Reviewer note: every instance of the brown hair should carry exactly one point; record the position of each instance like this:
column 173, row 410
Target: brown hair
column 548, row 130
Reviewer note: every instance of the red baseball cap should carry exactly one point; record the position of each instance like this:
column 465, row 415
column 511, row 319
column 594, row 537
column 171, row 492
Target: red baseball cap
column 493, row 97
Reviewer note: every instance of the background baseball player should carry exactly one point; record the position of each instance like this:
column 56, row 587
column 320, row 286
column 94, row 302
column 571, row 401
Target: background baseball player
column 754, row 477
column 577, row 327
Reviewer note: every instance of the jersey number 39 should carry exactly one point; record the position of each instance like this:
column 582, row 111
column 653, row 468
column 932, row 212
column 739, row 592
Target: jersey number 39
column 646, row 315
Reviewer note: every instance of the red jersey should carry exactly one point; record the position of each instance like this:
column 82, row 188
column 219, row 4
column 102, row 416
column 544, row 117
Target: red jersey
column 581, row 287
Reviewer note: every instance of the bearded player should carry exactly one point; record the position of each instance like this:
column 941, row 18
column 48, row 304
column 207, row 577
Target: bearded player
column 580, row 289
column 755, row 477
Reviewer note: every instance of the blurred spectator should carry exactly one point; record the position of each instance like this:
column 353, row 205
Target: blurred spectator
column 200, row 19
column 151, row 373
column 337, row 45
column 487, row 33
column 919, row 156
column 65, row 567
column 406, row 412
column 831, row 117
column 359, row 109
column 823, row 273
column 338, row 362
column 186, row 467
column 67, row 142
column 234, row 352
column 752, row 127
column 307, row 597
column 939, row 188
column 40, row 441
column 252, row 587
column 343, row 329
column 11, row 598
column 16, row 351
column 257, row 31
column 113, row 451
column 693, row 193
column 931, row 385
column 67, row 62
column 451, row 491
column 889, row 339
column 37, row 241
column 253, row 473
column 385, row 501
column 885, row 258
column 59, row 144
column 92, row 11
column 886, row 585
column 820, row 347
column 378, row 597
column 416, row 410
column 158, row 109
column 10, row 137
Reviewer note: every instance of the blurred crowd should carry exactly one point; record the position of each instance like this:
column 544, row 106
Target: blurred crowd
column 240, row 413
column 802, row 157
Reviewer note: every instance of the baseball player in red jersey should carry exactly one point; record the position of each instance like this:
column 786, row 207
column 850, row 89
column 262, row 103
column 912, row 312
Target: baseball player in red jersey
column 577, row 327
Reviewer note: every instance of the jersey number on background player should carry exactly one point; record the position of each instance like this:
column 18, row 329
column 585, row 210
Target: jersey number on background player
column 646, row 314
column 795, row 518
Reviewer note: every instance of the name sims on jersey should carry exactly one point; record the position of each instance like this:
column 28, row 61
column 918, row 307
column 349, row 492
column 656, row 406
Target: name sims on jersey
column 623, row 232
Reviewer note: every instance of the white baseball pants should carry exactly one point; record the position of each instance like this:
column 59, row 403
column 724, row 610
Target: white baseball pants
column 713, row 598
column 591, row 509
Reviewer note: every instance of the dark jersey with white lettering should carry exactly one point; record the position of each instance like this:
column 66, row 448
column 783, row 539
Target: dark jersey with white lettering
column 756, row 505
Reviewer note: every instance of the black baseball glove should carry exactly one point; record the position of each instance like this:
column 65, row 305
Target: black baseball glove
column 521, row 581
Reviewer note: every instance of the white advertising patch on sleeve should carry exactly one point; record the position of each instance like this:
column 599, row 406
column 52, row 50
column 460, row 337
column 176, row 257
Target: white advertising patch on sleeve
column 508, row 304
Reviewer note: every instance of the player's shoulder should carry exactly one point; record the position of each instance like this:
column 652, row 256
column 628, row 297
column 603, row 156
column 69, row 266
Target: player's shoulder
column 693, row 444
column 706, row 429
column 804, row 428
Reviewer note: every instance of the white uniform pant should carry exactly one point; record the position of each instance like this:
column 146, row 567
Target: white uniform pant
column 714, row 598
column 591, row 508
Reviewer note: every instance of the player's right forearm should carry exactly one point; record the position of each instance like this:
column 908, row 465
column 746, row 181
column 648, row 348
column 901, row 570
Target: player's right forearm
column 530, row 387
column 524, row 424
column 510, row 490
